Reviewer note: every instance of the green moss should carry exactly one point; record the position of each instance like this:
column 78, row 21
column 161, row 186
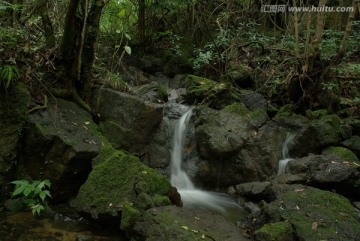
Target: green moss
column 279, row 231
column 129, row 216
column 160, row 200
column 342, row 152
column 319, row 215
column 285, row 111
column 317, row 114
column 237, row 108
column 117, row 179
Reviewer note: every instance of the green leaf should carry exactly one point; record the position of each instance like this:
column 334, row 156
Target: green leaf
column 42, row 195
column 28, row 190
column 47, row 183
column 18, row 190
column 127, row 36
column 47, row 193
column 122, row 13
column 128, row 50
column 185, row 227
column 117, row 46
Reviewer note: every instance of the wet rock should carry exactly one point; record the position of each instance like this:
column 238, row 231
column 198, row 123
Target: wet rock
column 253, row 100
column 13, row 115
column 326, row 171
column 235, row 148
column 251, row 207
column 286, row 118
column 181, row 224
column 222, row 135
column 314, row 214
column 152, row 92
column 253, row 190
column 119, row 188
column 59, row 144
column 127, row 121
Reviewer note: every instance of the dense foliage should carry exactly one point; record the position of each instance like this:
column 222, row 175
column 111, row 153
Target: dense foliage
column 303, row 57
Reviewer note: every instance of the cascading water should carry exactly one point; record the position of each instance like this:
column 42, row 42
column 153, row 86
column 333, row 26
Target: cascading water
column 285, row 153
column 191, row 196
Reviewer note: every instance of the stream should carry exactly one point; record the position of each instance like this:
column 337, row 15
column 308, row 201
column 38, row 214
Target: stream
column 192, row 196
column 23, row 226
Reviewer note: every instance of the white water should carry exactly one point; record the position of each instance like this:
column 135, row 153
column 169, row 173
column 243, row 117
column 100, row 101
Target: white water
column 191, row 196
column 285, row 153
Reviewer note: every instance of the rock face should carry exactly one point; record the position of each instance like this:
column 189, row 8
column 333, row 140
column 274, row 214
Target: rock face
column 120, row 188
column 236, row 145
column 59, row 144
column 13, row 108
column 326, row 171
column 127, row 121
column 181, row 224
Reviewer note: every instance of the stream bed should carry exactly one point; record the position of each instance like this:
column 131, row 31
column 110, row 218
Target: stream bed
column 23, row 226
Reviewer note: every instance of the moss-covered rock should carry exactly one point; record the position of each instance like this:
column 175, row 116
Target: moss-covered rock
column 315, row 214
column 353, row 144
column 257, row 117
column 319, row 133
column 203, row 90
column 119, row 180
column 182, row 224
column 279, row 231
column 237, row 108
column 342, row 152
column 316, row 114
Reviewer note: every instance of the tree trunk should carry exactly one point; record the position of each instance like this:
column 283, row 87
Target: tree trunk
column 78, row 45
column 347, row 32
column 92, row 31
column 46, row 21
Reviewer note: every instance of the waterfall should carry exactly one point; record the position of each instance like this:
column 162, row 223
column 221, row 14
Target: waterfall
column 179, row 177
column 191, row 196
column 285, row 153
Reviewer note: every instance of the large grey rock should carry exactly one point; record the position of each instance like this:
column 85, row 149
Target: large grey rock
column 59, row 144
column 181, row 224
column 127, row 121
column 234, row 148
column 325, row 171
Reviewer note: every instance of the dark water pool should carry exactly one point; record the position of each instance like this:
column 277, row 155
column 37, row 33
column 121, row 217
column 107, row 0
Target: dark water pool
column 24, row 226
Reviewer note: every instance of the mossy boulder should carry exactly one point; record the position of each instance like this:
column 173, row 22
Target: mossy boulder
column 353, row 144
column 318, row 134
column 119, row 188
column 59, row 144
column 286, row 118
column 215, row 94
column 13, row 116
column 342, row 152
column 256, row 118
column 279, row 231
column 315, row 214
column 182, row 224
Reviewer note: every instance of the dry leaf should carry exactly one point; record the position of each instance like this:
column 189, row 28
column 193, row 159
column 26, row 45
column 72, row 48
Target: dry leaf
column 314, row 225
column 299, row 190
